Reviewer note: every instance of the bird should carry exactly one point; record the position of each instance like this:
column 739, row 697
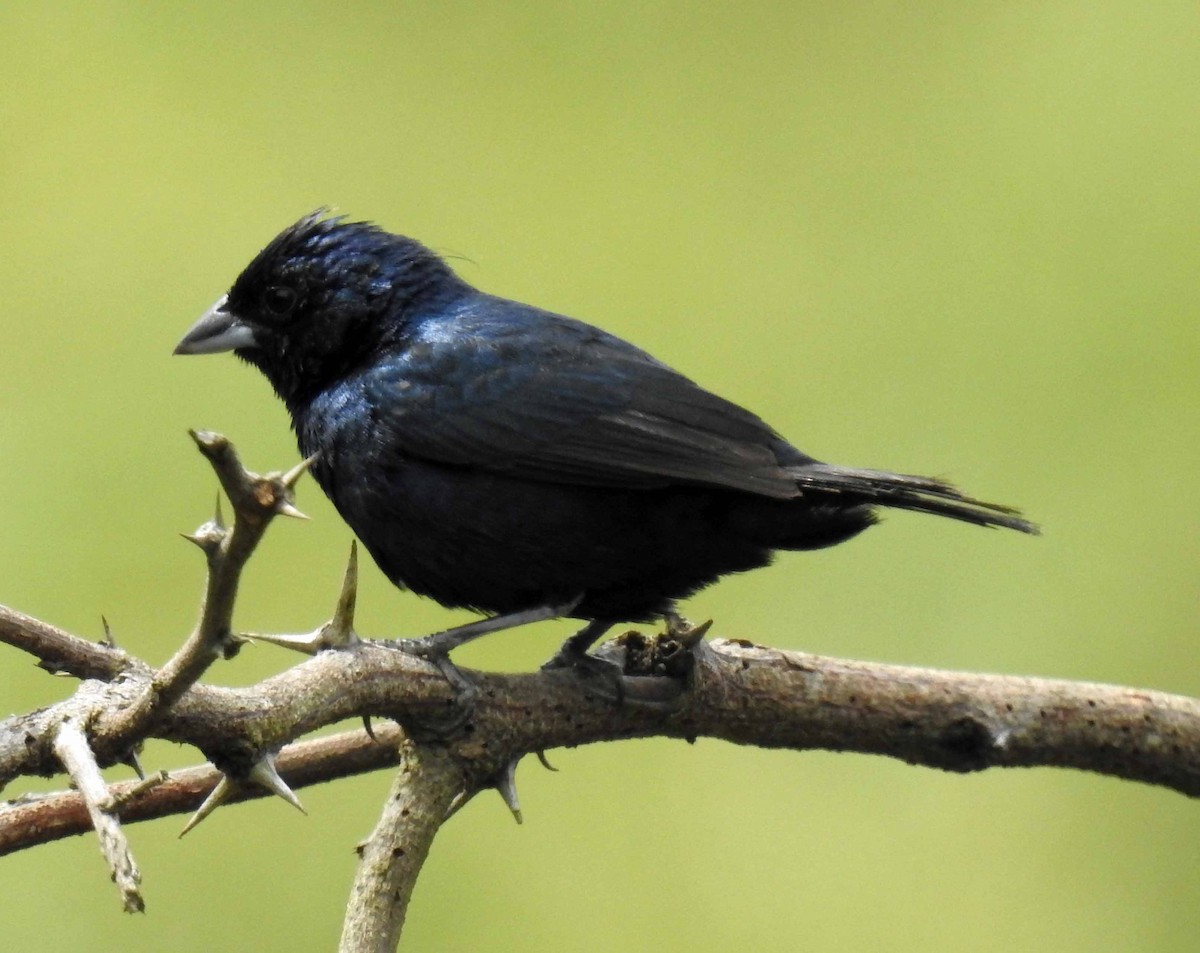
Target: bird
column 498, row 457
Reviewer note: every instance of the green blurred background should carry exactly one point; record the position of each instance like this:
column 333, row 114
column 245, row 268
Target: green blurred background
column 944, row 237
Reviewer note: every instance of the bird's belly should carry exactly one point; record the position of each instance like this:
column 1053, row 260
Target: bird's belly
column 475, row 539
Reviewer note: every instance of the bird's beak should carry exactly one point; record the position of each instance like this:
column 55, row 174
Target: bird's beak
column 217, row 330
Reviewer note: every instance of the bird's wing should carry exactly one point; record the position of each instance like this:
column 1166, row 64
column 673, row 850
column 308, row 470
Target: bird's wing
column 564, row 402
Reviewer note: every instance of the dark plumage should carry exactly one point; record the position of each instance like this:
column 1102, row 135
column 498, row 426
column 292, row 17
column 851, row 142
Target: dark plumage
column 495, row 456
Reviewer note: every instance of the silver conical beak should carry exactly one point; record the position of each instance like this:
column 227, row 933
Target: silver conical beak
column 217, row 330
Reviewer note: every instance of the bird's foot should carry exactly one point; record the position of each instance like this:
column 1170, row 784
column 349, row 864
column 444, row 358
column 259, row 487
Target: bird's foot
column 431, row 651
column 573, row 654
column 658, row 670
column 458, row 711
column 606, row 679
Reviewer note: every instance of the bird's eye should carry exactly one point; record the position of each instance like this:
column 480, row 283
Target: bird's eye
column 279, row 299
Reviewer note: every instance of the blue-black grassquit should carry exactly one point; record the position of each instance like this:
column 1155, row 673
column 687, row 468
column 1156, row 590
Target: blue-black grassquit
column 502, row 458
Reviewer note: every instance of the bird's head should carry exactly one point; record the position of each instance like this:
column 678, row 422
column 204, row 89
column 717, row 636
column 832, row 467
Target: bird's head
column 321, row 297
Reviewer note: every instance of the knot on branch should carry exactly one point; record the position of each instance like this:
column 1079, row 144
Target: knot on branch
column 970, row 742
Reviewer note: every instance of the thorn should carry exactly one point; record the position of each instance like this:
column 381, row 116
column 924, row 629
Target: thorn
column 264, row 775
column 340, row 629
column 108, row 636
column 369, row 730
column 208, row 537
column 284, row 508
column 211, row 533
column 218, row 796
column 506, row 784
column 695, row 634
column 309, row 644
column 131, row 759
column 684, row 632
column 290, row 478
column 541, row 756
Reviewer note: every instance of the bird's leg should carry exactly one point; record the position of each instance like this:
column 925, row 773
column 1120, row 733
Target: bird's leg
column 436, row 648
column 575, row 648
column 446, row 641
column 573, row 653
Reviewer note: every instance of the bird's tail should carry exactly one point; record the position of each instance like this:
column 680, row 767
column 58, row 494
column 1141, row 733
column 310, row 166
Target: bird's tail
column 922, row 494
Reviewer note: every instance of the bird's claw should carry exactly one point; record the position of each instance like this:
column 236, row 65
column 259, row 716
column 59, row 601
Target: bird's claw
column 427, row 649
column 465, row 691
column 589, row 666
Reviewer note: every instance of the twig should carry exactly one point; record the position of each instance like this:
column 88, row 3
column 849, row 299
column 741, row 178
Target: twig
column 390, row 859
column 60, row 651
column 256, row 500
column 72, row 748
column 137, row 789
column 30, row 821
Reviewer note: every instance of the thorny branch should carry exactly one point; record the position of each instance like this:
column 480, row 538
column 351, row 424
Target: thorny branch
column 256, row 501
column 732, row 690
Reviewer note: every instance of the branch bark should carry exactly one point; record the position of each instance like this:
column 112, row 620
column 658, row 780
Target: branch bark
column 39, row 819
column 428, row 781
column 739, row 692
column 71, row 746
column 59, row 651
